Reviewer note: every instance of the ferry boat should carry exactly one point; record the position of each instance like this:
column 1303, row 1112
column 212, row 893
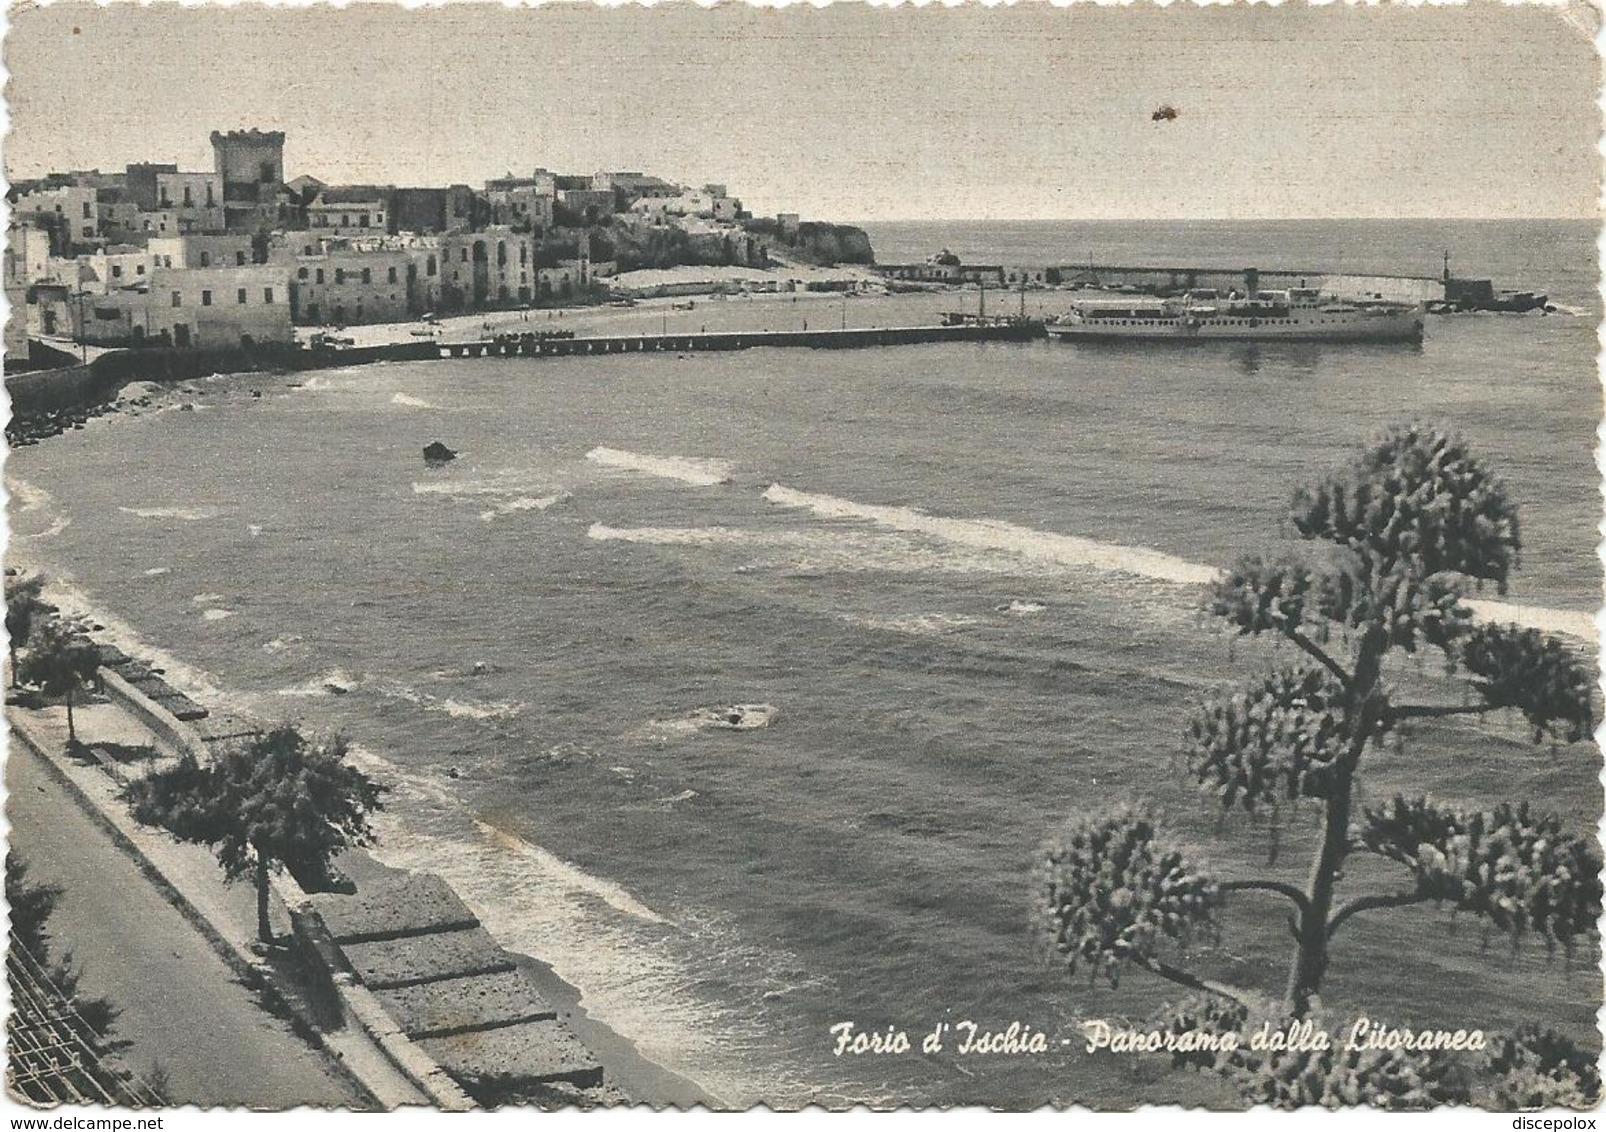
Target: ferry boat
column 1298, row 314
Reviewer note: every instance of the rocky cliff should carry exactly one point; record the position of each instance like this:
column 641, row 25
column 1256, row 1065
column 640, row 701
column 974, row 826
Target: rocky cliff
column 816, row 242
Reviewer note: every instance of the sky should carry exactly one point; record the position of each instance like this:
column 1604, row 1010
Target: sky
column 851, row 112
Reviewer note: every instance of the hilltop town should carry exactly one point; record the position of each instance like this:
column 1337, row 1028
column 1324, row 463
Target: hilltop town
column 242, row 256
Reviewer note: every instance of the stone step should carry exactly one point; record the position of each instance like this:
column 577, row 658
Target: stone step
column 393, row 908
column 472, row 1002
column 531, row 1053
column 425, row 958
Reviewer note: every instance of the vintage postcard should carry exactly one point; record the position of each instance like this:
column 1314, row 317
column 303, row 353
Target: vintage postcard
column 844, row 556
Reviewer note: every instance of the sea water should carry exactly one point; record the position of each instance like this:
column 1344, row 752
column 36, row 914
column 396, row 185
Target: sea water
column 953, row 589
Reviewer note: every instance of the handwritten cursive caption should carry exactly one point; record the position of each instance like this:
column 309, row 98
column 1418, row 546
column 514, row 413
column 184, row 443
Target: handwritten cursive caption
column 1019, row 1038
column 964, row 1037
column 1302, row 1036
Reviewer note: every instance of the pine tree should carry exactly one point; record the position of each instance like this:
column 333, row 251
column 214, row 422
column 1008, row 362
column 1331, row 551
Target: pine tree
column 272, row 802
column 61, row 660
column 22, row 603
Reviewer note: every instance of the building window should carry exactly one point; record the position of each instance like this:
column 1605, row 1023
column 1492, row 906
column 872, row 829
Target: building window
column 206, row 259
column 267, row 295
column 266, row 174
column 429, row 266
column 301, row 274
column 362, row 220
column 209, row 199
column 462, row 256
column 89, row 211
column 340, row 275
column 206, row 298
column 320, row 275
column 524, row 254
column 178, row 298
column 189, row 198
column 239, row 259
column 367, row 275
column 139, row 269
column 239, row 296
column 117, row 271
column 392, row 275
column 501, row 253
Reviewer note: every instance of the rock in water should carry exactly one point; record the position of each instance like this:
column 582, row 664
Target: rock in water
column 437, row 453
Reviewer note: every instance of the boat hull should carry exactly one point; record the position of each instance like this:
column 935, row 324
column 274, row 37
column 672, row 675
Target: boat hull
column 1404, row 326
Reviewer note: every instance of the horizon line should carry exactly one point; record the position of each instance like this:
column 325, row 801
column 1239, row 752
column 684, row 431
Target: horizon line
column 1207, row 219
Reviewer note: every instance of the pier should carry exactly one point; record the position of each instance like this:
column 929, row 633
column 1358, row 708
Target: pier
column 535, row 345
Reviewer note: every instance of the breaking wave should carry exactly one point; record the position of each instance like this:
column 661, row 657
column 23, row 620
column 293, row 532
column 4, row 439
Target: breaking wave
column 838, row 550
column 1070, row 550
column 187, row 514
column 522, row 503
column 457, row 709
column 699, row 472
column 28, row 497
column 988, row 534
column 334, row 682
column 1564, row 621
column 623, row 955
column 920, row 624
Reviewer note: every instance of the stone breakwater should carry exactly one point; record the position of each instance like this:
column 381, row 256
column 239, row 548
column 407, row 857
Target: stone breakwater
column 451, row 990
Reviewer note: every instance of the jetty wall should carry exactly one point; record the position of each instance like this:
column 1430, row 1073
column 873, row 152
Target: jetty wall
column 851, row 338
column 51, row 390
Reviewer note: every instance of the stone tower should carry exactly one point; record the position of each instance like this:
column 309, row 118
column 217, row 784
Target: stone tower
column 252, row 165
column 249, row 157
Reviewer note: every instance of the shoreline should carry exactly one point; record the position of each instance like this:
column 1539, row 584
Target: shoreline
column 625, row 1068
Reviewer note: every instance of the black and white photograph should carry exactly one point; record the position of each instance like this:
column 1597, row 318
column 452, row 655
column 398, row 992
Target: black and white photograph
column 644, row 558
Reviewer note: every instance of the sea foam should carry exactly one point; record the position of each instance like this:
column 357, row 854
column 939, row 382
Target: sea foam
column 1070, row 550
column 988, row 534
column 521, row 503
column 187, row 514
column 697, row 471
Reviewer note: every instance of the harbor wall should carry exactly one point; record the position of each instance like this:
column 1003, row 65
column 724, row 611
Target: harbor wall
column 52, row 390
column 855, row 338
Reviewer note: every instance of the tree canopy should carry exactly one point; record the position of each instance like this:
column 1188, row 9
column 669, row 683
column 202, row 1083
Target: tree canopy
column 61, row 660
column 275, row 801
column 1405, row 534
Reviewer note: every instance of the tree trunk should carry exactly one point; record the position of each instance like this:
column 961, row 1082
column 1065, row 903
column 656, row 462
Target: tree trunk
column 1310, row 961
column 264, row 928
column 13, row 647
column 72, row 736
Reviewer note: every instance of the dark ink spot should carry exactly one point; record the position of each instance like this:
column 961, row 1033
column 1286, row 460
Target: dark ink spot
column 1165, row 114
column 77, row 31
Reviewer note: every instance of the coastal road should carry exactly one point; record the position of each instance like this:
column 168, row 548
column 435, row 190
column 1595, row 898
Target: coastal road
column 180, row 1005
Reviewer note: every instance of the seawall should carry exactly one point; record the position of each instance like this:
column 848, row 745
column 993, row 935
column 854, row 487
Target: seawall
column 853, row 338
